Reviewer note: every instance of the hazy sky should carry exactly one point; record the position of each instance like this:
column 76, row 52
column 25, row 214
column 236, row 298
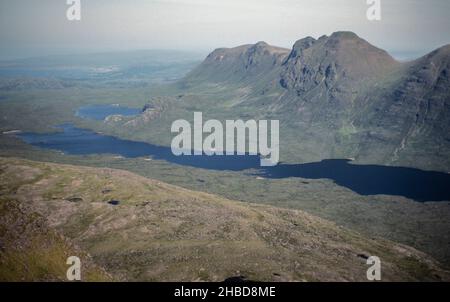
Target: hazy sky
column 30, row 27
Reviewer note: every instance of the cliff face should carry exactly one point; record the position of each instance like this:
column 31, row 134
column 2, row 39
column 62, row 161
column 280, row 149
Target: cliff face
column 411, row 113
column 339, row 61
column 348, row 97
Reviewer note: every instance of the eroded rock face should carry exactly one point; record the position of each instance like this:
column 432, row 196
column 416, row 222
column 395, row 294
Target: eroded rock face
column 414, row 110
column 262, row 56
column 333, row 64
column 147, row 107
column 344, row 97
column 150, row 111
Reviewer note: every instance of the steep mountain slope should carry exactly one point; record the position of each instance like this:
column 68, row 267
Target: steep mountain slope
column 141, row 229
column 336, row 97
column 243, row 64
column 411, row 115
column 337, row 63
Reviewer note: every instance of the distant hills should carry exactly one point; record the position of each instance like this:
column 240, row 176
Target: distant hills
column 340, row 97
column 127, row 69
column 337, row 96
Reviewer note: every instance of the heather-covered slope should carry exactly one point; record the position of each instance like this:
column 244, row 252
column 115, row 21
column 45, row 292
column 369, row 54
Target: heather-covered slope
column 142, row 229
column 31, row 251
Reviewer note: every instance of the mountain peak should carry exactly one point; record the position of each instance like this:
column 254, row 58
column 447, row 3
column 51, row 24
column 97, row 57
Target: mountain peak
column 270, row 49
column 259, row 47
column 304, row 43
column 238, row 63
column 333, row 61
column 341, row 57
column 349, row 41
column 443, row 51
column 344, row 35
column 261, row 44
column 301, row 45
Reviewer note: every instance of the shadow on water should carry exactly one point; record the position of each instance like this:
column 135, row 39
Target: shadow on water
column 412, row 183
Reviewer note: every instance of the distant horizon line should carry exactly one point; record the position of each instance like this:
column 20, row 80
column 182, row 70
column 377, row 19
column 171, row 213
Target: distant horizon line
column 14, row 54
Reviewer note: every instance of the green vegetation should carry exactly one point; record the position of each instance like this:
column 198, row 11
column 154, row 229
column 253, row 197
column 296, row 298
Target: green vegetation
column 31, row 251
column 162, row 232
column 340, row 118
column 421, row 225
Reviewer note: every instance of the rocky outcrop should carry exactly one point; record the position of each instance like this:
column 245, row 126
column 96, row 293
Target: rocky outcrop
column 352, row 98
column 333, row 64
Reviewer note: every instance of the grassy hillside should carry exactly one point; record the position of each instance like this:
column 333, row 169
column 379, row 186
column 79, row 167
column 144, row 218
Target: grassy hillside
column 421, row 225
column 143, row 229
column 31, row 251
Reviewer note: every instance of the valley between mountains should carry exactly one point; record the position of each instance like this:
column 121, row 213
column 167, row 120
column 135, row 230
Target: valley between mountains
column 143, row 218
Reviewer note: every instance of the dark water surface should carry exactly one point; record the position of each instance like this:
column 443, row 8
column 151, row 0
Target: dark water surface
column 76, row 141
column 412, row 183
